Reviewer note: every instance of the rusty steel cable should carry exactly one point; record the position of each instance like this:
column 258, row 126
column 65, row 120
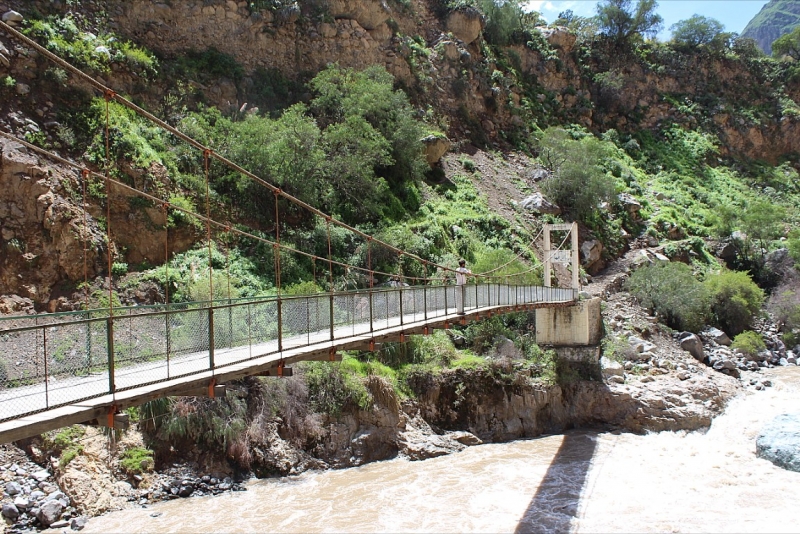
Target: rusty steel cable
column 174, row 131
column 110, row 94
column 196, row 215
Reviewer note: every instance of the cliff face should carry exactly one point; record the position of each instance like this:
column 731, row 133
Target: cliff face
column 480, row 94
column 776, row 18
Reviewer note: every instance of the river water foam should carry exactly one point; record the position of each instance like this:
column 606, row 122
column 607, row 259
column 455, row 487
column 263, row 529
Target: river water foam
column 579, row 482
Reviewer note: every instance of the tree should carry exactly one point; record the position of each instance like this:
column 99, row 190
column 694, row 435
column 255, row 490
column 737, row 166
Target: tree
column 695, row 31
column 671, row 291
column 735, row 299
column 583, row 27
column 620, row 22
column 788, row 45
column 578, row 182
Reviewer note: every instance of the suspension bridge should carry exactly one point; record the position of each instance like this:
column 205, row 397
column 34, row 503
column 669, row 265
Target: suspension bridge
column 88, row 366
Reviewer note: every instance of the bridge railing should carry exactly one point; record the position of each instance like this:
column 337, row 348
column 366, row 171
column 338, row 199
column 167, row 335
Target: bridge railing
column 53, row 360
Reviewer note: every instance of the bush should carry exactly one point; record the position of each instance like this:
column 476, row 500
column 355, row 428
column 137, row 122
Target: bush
column 578, row 183
column 671, row 291
column 331, row 389
column 784, row 305
column 64, row 443
column 735, row 299
column 136, row 460
column 749, row 343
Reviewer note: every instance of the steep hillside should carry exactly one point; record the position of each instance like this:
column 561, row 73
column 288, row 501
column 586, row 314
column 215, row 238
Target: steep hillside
column 776, row 18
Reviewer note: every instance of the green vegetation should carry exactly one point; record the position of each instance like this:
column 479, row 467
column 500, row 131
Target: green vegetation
column 671, row 291
column 696, row 31
column 579, row 181
column 735, row 300
column 788, row 45
column 749, row 343
column 64, row 443
column 620, row 21
column 62, row 36
column 136, row 460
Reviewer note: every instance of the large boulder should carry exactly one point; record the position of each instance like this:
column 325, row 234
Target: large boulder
column 592, row 253
column 558, row 37
column 435, row 147
column 50, row 512
column 717, row 335
column 537, row 203
column 466, row 24
column 779, row 442
column 368, row 13
column 691, row 343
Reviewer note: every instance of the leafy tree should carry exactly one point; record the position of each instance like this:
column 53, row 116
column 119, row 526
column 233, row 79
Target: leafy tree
column 620, row 21
column 696, row 30
column 368, row 94
column 583, row 27
column 578, row 182
column 788, row 45
column 671, row 291
column 735, row 299
column 504, row 21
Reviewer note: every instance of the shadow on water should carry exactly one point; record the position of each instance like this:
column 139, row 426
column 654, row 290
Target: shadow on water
column 555, row 503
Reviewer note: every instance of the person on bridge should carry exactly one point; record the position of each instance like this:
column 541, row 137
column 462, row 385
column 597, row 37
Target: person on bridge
column 461, row 282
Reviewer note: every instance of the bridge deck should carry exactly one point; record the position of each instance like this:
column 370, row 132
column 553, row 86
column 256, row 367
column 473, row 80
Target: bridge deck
column 66, row 400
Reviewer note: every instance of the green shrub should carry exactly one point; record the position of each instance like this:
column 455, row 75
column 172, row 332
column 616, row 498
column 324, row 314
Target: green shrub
column 749, row 343
column 332, row 388
column 64, row 443
column 784, row 305
column 735, row 299
column 579, row 182
column 119, row 268
column 136, row 461
column 671, row 291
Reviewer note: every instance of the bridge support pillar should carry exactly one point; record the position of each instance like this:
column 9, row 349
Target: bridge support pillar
column 578, row 325
column 574, row 332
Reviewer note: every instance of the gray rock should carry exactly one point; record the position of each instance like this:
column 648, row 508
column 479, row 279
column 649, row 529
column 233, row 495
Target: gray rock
column 692, row 344
column 611, row 368
column 718, row 336
column 22, row 503
column 536, row 202
column 22, row 89
column 10, row 511
column 724, row 364
column 12, row 17
column 12, row 488
column 684, row 375
column 59, row 524
column 50, row 512
column 615, row 379
column 779, row 442
column 506, row 348
column 78, row 523
column 57, row 495
column 465, row 438
column 41, row 476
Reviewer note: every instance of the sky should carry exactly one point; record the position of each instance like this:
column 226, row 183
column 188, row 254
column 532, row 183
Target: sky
column 733, row 14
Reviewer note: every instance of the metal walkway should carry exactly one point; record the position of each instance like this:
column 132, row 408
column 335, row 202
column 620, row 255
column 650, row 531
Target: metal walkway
column 61, row 369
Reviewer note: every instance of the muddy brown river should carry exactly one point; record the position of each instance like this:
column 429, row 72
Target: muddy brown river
column 577, row 482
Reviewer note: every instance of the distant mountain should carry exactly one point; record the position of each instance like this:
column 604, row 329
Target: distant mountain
column 775, row 18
